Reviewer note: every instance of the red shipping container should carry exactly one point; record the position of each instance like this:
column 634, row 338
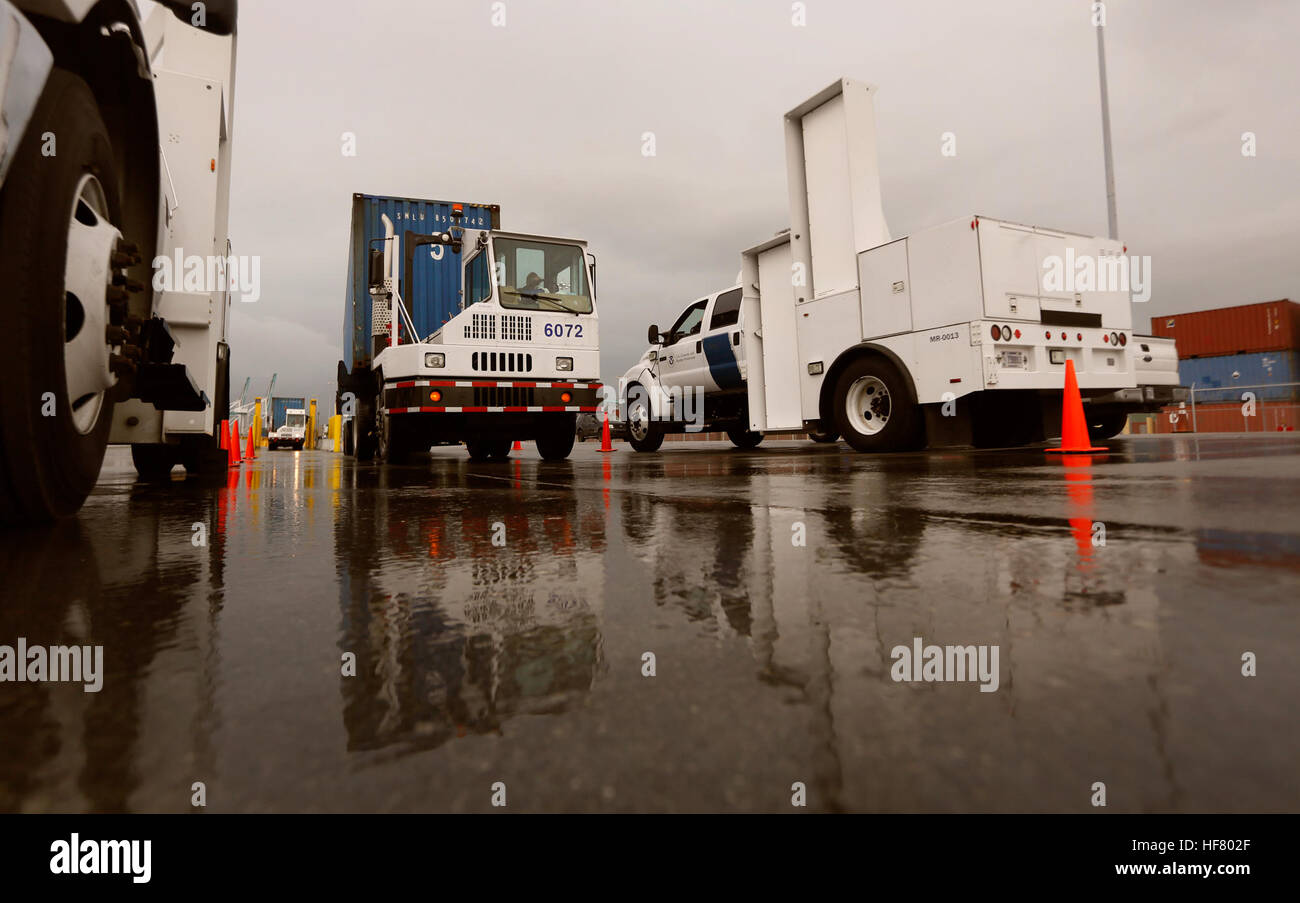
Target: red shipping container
column 1248, row 329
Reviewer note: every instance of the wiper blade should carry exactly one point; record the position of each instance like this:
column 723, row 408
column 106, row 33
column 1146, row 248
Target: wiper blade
column 560, row 304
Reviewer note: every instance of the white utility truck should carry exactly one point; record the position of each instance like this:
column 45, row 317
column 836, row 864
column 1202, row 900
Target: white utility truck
column 517, row 359
column 115, row 138
column 292, row 433
column 950, row 336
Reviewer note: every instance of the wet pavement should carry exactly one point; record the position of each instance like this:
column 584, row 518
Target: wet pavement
column 499, row 614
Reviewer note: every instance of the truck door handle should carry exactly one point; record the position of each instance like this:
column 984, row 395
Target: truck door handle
column 697, row 347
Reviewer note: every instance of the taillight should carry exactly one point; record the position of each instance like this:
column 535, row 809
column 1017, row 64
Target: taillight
column 1079, row 336
column 1047, row 335
column 1114, row 339
column 1123, row 339
column 435, row 395
column 995, row 331
column 1062, row 337
column 566, row 397
column 1006, row 333
column 1104, row 337
column 1017, row 333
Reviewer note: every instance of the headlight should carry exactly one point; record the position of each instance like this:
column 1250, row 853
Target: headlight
column 435, row 359
column 564, row 363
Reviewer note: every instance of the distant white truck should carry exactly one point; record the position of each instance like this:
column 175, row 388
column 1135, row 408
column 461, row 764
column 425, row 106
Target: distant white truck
column 292, row 433
column 949, row 336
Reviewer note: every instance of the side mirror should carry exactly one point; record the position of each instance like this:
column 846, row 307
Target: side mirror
column 653, row 336
column 376, row 275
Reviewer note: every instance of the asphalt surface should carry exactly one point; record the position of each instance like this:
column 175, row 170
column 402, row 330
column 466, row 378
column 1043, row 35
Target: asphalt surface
column 500, row 614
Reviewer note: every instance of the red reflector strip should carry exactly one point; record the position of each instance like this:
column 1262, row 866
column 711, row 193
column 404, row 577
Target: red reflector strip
column 957, row 380
column 556, row 409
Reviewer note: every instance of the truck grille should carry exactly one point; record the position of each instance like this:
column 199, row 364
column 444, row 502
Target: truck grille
column 516, row 328
column 509, row 397
column 501, row 362
column 481, row 326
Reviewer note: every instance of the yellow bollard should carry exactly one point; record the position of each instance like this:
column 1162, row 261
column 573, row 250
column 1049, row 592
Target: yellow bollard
column 336, row 432
column 310, row 441
column 257, row 423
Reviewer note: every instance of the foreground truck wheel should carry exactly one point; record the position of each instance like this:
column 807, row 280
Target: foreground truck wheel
column 872, row 409
column 57, row 248
column 644, row 433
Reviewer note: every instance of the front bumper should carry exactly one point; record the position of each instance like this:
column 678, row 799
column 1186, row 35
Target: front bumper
column 478, row 396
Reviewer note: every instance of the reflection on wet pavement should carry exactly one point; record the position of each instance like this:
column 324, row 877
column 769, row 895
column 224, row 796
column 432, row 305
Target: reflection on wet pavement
column 324, row 636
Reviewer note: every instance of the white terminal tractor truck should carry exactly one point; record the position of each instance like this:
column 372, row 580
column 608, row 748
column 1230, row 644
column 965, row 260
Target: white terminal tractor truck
column 115, row 140
column 476, row 335
column 950, row 336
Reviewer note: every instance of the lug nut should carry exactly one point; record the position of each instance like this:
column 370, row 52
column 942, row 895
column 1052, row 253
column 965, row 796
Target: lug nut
column 116, row 335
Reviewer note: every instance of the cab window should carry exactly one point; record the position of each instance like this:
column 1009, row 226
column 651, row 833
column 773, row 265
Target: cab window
column 690, row 320
column 726, row 310
column 477, row 285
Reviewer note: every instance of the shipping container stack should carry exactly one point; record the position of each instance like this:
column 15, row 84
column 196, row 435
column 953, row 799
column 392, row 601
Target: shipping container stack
column 1224, row 354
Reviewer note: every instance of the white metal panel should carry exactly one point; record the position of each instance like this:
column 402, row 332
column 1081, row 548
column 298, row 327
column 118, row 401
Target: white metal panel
column 939, row 361
column 780, row 348
column 190, row 116
column 826, row 327
column 833, row 180
column 886, row 290
column 1084, row 260
column 830, row 204
column 944, row 264
column 1009, row 265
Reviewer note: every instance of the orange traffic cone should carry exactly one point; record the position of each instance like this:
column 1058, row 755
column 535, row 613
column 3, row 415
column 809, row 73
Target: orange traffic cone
column 250, row 454
column 605, row 445
column 1074, row 426
column 233, row 444
column 518, row 446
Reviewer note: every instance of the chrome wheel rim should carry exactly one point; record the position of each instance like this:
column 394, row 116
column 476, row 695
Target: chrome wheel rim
column 86, row 277
column 868, row 405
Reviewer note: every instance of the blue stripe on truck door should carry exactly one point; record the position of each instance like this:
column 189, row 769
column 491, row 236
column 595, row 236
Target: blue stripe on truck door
column 722, row 361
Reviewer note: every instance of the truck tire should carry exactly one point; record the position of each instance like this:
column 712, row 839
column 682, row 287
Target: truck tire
column 499, row 449
column 154, row 462
column 52, row 444
column 644, row 433
column 394, row 440
column 479, row 449
column 1107, row 426
column 872, row 409
column 364, row 439
column 743, row 438
column 556, row 443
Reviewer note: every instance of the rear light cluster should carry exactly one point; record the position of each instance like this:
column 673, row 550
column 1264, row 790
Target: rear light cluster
column 1118, row 339
column 1002, row 333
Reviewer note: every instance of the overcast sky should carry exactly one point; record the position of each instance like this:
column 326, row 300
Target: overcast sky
column 545, row 116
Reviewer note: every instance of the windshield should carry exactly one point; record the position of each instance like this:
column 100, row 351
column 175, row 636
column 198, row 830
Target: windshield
column 296, row 420
column 542, row 275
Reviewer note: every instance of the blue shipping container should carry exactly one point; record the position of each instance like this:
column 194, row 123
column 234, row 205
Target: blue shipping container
column 436, row 270
column 1235, row 373
column 279, row 406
